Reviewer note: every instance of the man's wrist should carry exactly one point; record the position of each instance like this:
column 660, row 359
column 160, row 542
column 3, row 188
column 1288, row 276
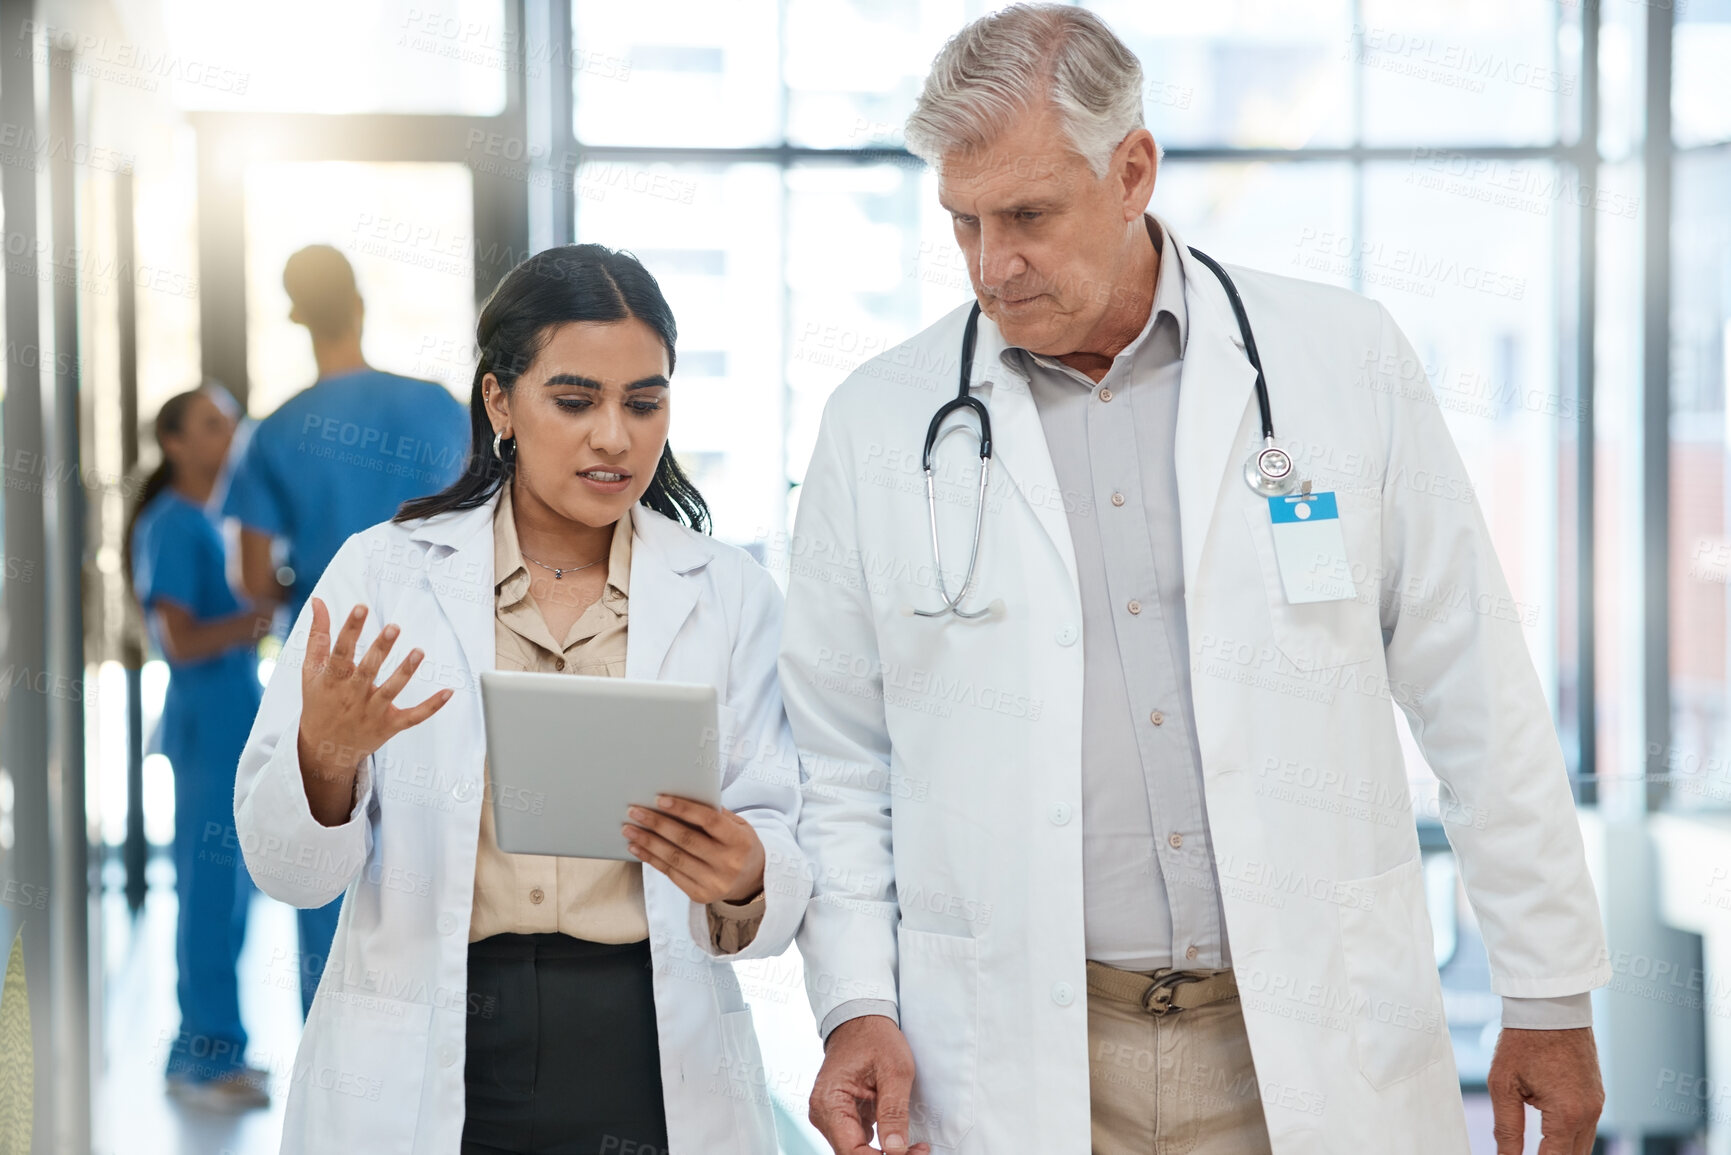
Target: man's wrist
column 857, row 1009
column 1558, row 1013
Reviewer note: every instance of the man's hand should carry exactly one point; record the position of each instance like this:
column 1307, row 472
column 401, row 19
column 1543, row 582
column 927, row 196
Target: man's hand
column 867, row 1074
column 1555, row 1071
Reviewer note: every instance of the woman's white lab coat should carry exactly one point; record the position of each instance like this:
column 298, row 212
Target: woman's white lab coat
column 380, row 1065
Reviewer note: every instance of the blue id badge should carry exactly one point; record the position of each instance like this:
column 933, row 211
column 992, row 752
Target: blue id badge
column 1310, row 548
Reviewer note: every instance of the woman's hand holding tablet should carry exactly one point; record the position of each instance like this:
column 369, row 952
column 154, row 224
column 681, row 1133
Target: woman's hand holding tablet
column 712, row 855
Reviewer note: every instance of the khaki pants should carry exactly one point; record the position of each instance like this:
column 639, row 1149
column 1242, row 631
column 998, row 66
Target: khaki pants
column 1173, row 1084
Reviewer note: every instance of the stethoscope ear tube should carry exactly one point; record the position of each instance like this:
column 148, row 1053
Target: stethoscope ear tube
column 962, row 399
column 1250, row 353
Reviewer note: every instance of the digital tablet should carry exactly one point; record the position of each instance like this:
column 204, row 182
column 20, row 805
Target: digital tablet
column 567, row 753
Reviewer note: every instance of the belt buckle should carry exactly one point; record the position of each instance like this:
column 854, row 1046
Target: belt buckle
column 1157, row 999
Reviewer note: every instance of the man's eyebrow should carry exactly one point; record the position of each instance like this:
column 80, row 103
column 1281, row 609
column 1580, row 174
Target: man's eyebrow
column 655, row 382
column 1010, row 210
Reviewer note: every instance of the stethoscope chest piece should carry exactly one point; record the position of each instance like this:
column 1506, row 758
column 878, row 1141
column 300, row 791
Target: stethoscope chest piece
column 1269, row 472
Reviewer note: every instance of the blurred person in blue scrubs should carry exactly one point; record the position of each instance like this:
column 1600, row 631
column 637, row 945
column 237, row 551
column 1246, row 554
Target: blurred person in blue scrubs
column 337, row 457
column 175, row 560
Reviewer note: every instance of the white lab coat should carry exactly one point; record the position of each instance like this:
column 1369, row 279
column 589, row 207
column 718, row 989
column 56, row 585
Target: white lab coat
column 380, row 1065
column 942, row 811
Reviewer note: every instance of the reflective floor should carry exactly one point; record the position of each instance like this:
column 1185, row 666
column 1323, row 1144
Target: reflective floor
column 134, row 1116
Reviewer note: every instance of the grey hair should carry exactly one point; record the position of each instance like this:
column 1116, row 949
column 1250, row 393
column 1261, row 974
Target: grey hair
column 997, row 67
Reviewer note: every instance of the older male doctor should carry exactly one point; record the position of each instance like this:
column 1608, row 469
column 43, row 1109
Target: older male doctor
column 1122, row 855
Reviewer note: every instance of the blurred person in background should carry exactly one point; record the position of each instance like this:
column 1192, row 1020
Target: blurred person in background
column 522, row 1004
column 340, row 455
column 175, row 561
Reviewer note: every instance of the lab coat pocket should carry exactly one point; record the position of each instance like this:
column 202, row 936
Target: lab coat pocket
column 358, row 1073
column 1316, row 635
column 1396, row 997
column 748, row 1083
column 938, row 997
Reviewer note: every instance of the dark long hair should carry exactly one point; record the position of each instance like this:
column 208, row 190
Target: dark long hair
column 566, row 283
column 170, row 420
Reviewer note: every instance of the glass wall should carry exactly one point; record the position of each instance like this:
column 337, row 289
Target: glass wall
column 1700, row 562
column 1422, row 155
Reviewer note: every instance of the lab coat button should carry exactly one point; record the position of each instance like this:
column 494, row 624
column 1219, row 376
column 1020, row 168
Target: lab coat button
column 1063, row 994
column 447, row 1055
column 447, row 923
column 1067, row 636
column 1060, row 813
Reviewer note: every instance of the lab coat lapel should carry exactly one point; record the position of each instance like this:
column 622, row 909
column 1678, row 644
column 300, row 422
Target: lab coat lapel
column 1019, row 450
column 459, row 573
column 664, row 558
column 1216, row 384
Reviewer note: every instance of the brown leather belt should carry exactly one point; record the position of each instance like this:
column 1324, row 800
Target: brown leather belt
column 1163, row 992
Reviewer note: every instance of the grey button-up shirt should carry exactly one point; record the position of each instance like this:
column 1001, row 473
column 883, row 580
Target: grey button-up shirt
column 1150, row 893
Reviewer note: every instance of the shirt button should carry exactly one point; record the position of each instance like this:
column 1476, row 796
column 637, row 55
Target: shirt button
column 536, row 895
column 1117, row 499
column 1059, row 813
column 447, row 923
column 463, row 790
column 1063, row 994
column 447, row 1055
column 1157, row 718
column 1191, row 953
column 559, row 664
column 1067, row 636
column 1175, row 840
column 1105, row 395
column 1135, row 606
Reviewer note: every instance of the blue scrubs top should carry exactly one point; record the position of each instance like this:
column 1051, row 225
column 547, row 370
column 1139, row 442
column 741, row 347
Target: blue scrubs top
column 177, row 556
column 343, row 455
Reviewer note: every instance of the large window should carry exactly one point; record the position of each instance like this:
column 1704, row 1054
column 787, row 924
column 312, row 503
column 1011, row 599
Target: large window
column 1427, row 159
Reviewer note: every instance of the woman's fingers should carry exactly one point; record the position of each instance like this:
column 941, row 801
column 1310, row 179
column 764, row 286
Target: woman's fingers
column 707, row 818
column 419, row 712
column 685, row 850
column 374, row 658
column 693, row 840
column 343, row 654
column 695, row 889
column 318, row 642
column 393, row 685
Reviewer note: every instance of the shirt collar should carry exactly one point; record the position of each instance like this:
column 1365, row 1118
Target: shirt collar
column 511, row 570
column 1168, row 300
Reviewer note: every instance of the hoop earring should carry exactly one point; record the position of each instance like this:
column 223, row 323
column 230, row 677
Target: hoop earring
column 498, row 450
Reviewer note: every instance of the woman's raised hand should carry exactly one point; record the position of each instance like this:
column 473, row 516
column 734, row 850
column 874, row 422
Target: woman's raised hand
column 345, row 716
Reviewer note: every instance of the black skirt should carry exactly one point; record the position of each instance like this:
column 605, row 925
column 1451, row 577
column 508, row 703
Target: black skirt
column 562, row 1057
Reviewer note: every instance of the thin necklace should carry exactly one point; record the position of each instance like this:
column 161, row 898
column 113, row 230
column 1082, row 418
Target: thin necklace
column 559, row 572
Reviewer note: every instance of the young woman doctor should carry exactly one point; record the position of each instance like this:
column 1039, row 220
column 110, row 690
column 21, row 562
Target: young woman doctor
column 516, row 1003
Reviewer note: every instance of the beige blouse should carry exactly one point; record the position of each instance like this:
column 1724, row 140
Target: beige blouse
column 597, row 899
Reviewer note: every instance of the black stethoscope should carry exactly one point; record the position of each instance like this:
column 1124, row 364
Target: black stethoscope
column 1268, row 471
